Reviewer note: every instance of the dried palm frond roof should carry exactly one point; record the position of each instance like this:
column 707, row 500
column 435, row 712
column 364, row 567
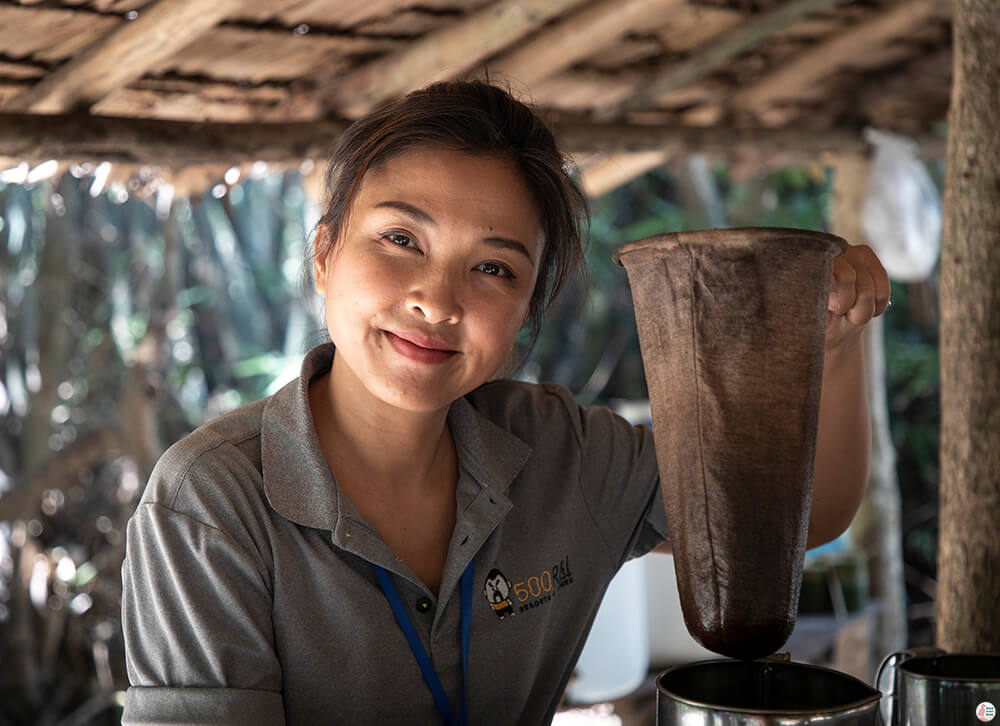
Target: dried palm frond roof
column 184, row 82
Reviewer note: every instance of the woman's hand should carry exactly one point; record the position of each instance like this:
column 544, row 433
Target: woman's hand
column 858, row 293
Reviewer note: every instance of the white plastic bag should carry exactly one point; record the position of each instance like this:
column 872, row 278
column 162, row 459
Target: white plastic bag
column 901, row 216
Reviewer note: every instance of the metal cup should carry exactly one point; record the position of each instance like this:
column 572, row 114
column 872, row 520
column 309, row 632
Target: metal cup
column 929, row 687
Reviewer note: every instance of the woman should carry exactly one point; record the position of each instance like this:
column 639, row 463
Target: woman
column 397, row 537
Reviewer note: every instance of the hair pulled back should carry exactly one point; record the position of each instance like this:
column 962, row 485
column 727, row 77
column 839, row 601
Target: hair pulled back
column 477, row 118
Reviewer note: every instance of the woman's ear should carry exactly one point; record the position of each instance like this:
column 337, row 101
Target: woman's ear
column 320, row 253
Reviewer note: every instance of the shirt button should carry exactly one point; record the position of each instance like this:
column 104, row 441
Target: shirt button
column 424, row 604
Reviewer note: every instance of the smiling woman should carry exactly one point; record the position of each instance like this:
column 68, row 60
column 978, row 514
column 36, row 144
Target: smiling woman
column 483, row 121
column 401, row 536
column 431, row 278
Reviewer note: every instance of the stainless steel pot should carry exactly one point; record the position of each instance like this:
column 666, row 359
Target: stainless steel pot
column 762, row 693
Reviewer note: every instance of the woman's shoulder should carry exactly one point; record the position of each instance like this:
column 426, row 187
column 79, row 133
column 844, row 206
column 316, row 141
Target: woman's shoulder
column 219, row 460
column 540, row 409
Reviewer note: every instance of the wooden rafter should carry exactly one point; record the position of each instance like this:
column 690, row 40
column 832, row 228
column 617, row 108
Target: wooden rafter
column 819, row 62
column 443, row 54
column 905, row 102
column 575, row 38
column 803, row 143
column 158, row 142
column 717, row 52
column 614, row 170
column 123, row 55
column 179, row 99
column 181, row 143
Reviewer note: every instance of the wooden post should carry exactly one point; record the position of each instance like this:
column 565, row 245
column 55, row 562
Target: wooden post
column 877, row 527
column 968, row 617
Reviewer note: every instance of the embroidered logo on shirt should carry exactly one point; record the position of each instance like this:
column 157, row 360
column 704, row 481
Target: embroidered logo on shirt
column 531, row 592
column 497, row 592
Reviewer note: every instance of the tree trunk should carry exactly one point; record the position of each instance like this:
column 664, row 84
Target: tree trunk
column 968, row 619
column 876, row 528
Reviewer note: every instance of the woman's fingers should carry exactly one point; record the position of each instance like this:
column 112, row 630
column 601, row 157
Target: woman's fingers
column 842, row 291
column 883, row 290
column 860, row 288
column 863, row 308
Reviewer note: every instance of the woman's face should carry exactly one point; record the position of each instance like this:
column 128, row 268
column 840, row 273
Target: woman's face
column 431, row 280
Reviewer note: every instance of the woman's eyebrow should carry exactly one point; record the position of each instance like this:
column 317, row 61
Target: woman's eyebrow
column 509, row 244
column 416, row 212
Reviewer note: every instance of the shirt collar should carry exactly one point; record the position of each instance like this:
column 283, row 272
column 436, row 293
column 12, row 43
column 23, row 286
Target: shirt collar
column 298, row 481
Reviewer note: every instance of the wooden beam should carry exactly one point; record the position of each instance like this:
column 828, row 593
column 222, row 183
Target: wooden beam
column 615, row 170
column 717, row 52
column 571, row 40
column 578, row 137
column 206, row 102
column 907, row 98
column 181, row 143
column 161, row 143
column 443, row 54
column 124, row 55
column 824, row 59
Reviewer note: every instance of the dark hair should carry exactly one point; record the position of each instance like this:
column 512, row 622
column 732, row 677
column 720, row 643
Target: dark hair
column 478, row 118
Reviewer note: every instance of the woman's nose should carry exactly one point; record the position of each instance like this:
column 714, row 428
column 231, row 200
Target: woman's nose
column 434, row 297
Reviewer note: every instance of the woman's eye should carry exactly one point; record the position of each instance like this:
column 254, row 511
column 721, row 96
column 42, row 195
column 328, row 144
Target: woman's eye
column 399, row 239
column 495, row 269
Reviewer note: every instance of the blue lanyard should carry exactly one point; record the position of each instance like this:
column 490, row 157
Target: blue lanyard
column 426, row 667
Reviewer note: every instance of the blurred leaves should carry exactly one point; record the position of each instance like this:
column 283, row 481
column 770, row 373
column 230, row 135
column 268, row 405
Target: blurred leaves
column 125, row 324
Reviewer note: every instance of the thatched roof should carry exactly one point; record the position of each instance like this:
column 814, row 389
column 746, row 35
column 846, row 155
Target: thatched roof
column 277, row 79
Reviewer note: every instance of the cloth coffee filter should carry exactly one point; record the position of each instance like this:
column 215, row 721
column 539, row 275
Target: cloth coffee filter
column 731, row 329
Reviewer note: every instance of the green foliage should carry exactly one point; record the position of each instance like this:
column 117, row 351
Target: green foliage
column 913, row 389
column 121, row 329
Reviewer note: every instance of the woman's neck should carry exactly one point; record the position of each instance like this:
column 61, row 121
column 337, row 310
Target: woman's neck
column 365, row 438
column 399, row 469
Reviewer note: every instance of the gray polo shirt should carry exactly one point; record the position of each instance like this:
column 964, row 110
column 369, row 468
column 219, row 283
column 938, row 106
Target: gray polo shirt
column 249, row 596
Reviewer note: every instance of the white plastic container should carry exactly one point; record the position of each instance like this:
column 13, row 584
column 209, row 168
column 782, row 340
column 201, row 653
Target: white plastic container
column 615, row 658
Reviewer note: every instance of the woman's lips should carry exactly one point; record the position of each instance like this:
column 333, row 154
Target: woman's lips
column 418, row 348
